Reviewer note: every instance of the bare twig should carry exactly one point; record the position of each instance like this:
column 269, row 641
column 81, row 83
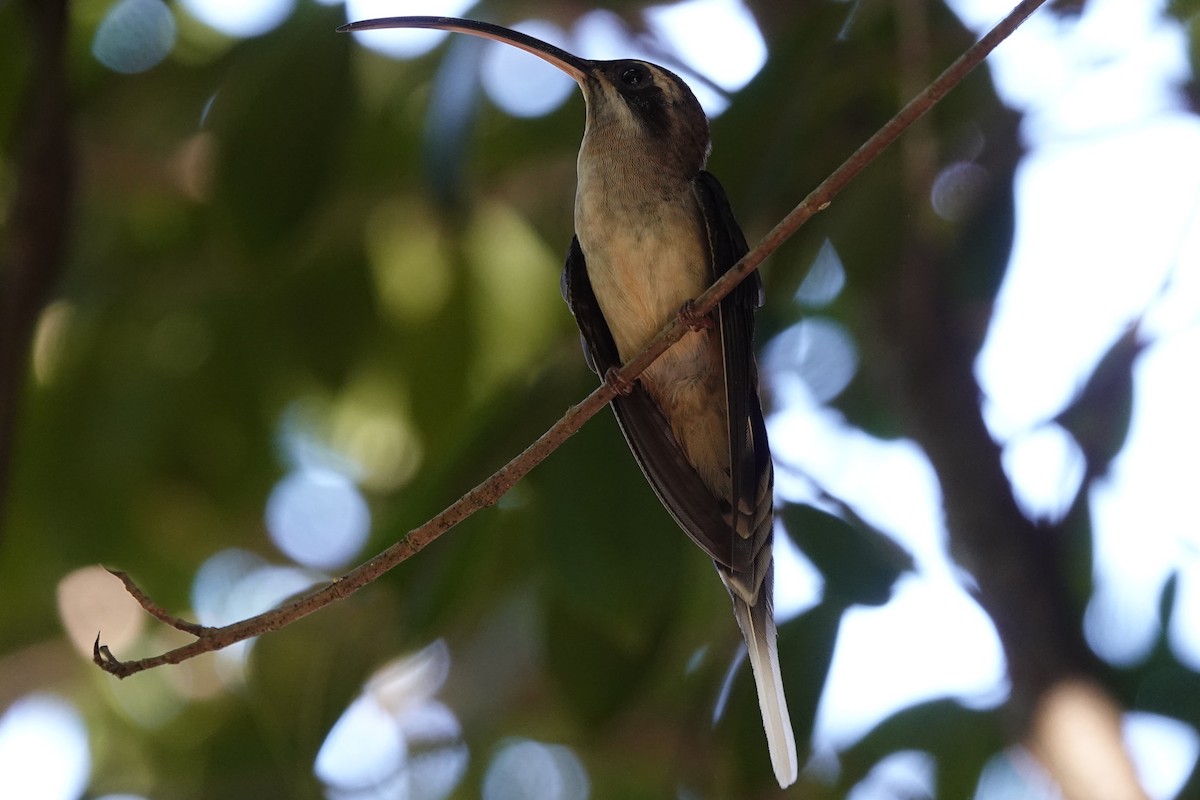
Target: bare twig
column 154, row 609
column 482, row 496
column 491, row 490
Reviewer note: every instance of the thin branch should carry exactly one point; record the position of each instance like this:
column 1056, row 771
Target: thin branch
column 492, row 489
column 484, row 495
column 154, row 609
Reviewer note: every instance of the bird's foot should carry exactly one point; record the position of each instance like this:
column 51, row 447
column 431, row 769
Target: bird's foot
column 618, row 383
column 694, row 321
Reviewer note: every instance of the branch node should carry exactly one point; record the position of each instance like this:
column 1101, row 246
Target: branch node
column 154, row 609
column 105, row 660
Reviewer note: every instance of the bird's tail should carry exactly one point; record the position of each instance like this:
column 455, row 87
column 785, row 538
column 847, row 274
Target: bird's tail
column 758, row 627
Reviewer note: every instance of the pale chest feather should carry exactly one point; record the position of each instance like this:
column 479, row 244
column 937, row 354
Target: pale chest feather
column 646, row 251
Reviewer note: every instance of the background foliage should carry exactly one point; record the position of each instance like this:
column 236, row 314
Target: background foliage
column 288, row 241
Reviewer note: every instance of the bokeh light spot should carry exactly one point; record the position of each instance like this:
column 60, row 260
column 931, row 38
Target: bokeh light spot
column 601, row 34
column 518, row 273
column 363, row 749
column 816, row 355
column 1015, row 775
column 1149, row 489
column 50, row 339
column 889, row 657
column 234, row 584
column 90, row 600
column 44, row 751
column 410, row 680
column 1183, row 635
column 213, row 586
column 401, row 43
column 395, row 740
column 696, row 29
column 410, row 259
column 907, row 773
column 241, row 18
column 134, row 36
column 799, row 585
column 1121, row 622
column 380, row 440
column 957, row 191
column 529, row 770
column 519, row 83
column 1045, row 467
column 1164, row 750
column 318, row 518
column 825, row 279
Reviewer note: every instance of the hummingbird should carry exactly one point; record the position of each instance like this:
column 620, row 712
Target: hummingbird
column 653, row 230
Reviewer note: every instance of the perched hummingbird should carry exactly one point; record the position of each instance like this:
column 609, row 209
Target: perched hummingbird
column 652, row 231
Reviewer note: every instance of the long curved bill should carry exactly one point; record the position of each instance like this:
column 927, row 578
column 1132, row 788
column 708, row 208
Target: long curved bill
column 574, row 66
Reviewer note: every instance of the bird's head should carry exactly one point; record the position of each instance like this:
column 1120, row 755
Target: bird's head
column 635, row 107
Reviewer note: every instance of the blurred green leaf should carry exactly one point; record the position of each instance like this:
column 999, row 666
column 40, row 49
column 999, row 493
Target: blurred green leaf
column 1098, row 417
column 859, row 564
column 961, row 740
column 614, row 561
column 280, row 115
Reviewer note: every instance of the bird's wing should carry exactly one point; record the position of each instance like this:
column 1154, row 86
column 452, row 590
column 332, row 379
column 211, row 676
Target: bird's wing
column 751, row 474
column 671, row 475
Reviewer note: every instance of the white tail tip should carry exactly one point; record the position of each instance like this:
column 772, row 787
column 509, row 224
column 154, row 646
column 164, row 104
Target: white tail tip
column 758, row 628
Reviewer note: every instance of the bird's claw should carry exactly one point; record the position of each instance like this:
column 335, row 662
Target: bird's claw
column 618, row 383
column 692, row 320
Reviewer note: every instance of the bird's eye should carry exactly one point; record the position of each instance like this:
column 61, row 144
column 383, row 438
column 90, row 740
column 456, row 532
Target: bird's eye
column 634, row 76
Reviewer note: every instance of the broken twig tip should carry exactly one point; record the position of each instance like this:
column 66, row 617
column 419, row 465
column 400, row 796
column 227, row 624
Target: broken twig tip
column 102, row 656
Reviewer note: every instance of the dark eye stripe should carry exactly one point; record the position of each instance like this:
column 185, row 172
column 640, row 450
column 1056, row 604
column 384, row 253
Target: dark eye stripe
column 650, row 106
